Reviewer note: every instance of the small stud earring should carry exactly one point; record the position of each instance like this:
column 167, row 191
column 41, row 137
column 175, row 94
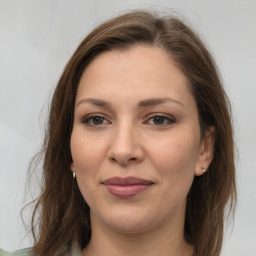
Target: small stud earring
column 74, row 175
column 204, row 170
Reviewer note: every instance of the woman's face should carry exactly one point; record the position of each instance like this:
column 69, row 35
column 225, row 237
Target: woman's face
column 136, row 143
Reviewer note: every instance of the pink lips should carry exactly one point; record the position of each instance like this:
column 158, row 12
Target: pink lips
column 126, row 187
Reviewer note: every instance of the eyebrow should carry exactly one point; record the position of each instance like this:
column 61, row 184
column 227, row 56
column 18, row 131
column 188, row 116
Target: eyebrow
column 143, row 103
column 93, row 101
column 157, row 101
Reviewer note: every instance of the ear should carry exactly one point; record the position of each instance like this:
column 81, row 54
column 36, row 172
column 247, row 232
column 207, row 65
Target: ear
column 205, row 153
column 72, row 167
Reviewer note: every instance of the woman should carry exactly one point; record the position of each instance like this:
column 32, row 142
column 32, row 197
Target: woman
column 139, row 153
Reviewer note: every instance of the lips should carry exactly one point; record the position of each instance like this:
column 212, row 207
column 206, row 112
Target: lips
column 126, row 187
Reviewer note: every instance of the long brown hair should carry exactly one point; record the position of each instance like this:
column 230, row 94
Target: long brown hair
column 61, row 215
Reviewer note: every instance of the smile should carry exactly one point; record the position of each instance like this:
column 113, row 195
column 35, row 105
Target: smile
column 126, row 187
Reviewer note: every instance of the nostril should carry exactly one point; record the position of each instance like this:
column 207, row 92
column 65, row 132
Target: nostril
column 113, row 159
column 123, row 161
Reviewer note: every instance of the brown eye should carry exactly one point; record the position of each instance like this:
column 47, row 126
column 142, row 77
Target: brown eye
column 95, row 120
column 158, row 120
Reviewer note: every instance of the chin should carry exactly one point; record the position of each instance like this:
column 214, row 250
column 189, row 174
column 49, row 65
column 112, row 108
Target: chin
column 129, row 227
column 127, row 221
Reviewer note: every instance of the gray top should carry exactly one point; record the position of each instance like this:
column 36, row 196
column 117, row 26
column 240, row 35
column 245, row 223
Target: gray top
column 23, row 252
column 28, row 252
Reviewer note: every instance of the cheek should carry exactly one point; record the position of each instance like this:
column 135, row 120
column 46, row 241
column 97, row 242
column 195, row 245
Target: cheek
column 175, row 156
column 87, row 153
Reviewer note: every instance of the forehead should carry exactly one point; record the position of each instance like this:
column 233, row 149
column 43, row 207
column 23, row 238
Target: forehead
column 138, row 70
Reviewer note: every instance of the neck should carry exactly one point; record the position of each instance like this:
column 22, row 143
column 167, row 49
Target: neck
column 106, row 242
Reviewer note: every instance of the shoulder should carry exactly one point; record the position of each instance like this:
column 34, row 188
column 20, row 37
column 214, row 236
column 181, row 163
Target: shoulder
column 22, row 252
column 75, row 251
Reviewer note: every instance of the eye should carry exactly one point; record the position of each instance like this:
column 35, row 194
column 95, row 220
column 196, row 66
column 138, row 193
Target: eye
column 95, row 120
column 160, row 120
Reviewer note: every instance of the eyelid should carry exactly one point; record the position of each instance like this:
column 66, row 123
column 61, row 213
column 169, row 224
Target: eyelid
column 167, row 117
column 85, row 120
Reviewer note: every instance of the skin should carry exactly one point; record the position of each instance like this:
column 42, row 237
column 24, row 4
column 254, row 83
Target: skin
column 154, row 140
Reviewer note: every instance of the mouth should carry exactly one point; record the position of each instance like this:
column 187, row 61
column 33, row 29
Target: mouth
column 126, row 187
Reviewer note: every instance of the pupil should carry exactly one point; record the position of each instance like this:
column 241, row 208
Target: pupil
column 158, row 120
column 97, row 120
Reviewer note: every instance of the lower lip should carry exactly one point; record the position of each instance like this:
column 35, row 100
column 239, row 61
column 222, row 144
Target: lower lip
column 126, row 191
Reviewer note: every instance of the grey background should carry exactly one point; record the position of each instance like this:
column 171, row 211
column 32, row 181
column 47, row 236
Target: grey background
column 37, row 37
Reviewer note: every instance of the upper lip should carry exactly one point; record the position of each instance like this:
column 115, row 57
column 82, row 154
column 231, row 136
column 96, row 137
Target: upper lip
column 126, row 181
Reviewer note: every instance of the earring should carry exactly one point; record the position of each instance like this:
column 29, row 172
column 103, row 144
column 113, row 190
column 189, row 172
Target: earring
column 204, row 170
column 74, row 175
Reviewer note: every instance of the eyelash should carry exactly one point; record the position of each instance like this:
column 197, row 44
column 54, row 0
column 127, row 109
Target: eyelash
column 90, row 118
column 165, row 118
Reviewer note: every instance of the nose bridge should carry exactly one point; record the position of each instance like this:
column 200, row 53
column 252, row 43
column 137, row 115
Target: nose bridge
column 125, row 146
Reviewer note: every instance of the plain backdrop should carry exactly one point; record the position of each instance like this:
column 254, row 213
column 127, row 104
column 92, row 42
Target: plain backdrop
column 38, row 37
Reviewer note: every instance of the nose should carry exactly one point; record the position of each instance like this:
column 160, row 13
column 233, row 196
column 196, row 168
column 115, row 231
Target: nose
column 125, row 146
